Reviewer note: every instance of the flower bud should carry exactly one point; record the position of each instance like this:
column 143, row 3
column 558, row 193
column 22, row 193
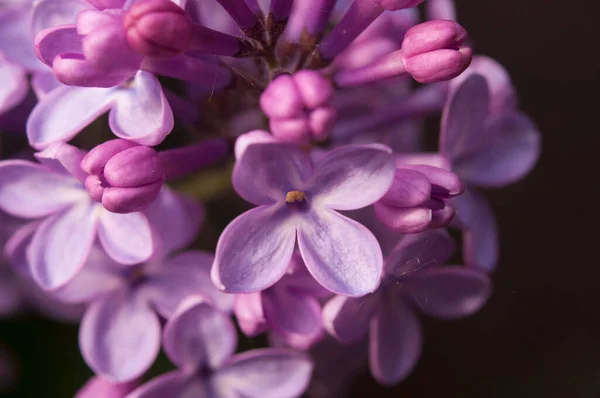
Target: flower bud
column 124, row 177
column 299, row 107
column 432, row 51
column 157, row 28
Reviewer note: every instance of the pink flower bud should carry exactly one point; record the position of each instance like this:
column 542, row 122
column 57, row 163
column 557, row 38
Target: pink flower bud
column 157, row 28
column 432, row 51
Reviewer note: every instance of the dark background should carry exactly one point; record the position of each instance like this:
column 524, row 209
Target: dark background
column 539, row 336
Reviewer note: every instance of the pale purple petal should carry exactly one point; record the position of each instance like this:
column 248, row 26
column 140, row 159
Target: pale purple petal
column 341, row 254
column 64, row 112
column 348, row 318
column 254, row 250
column 16, row 41
column 451, row 292
column 480, row 234
column 57, row 40
column 512, row 149
column 464, row 116
column 291, row 314
column 44, row 82
column 61, row 245
column 199, row 335
column 395, row 342
column 49, row 13
column 172, row 384
column 13, row 85
column 252, row 137
column 352, row 177
column 267, row 373
column 127, row 238
column 176, row 218
column 15, row 248
column 184, row 275
column 29, row 190
column 119, row 336
column 63, row 158
column 248, row 311
column 97, row 387
column 266, row 172
column 141, row 112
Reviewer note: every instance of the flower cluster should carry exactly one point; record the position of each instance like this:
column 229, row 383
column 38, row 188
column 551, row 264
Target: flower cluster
column 319, row 104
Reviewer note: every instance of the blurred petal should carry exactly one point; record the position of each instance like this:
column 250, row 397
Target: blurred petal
column 61, row 245
column 176, row 218
column 97, row 387
column 267, row 171
column 512, row 149
column 29, row 190
column 49, row 13
column 127, row 238
column 64, row 112
column 199, row 335
column 341, row 254
column 190, row 69
column 42, row 83
column 463, row 117
column 141, row 112
column 395, row 342
column 451, row 292
column 184, row 275
column 267, row 373
column 248, row 311
column 119, row 336
column 351, row 177
column 13, row 85
column 252, row 137
column 254, row 250
column 63, row 158
column 348, row 318
column 16, row 39
column 171, row 384
column 480, row 234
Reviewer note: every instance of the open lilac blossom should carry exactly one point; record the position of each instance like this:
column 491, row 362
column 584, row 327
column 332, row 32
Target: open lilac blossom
column 53, row 192
column 201, row 341
column 290, row 308
column 415, row 280
column 297, row 202
column 418, row 199
column 119, row 335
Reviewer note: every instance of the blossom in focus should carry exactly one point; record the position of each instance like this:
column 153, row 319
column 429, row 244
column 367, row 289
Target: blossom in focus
column 201, row 341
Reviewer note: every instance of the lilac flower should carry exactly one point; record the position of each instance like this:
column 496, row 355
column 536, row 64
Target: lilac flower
column 201, row 340
column 290, row 308
column 119, row 336
column 97, row 387
column 297, row 198
column 414, row 280
column 53, row 191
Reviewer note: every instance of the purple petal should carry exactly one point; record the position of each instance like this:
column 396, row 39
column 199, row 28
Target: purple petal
column 452, row 292
column 44, row 82
column 29, row 190
column 341, row 254
column 252, row 137
column 15, row 37
column 352, row 177
column 75, row 70
column 266, row 172
column 248, row 311
column 395, row 342
column 512, row 149
column 15, row 248
column 267, row 373
column 61, row 245
column 63, row 158
column 176, row 218
column 348, row 318
column 127, row 238
column 254, row 250
column 13, row 85
column 406, row 220
column 49, row 13
column 410, row 188
column 97, row 387
column 64, row 112
column 417, row 251
column 290, row 314
column 464, row 116
column 141, row 112
column 199, row 335
column 184, row 275
column 480, row 234
column 57, row 40
column 119, row 336
column 172, row 384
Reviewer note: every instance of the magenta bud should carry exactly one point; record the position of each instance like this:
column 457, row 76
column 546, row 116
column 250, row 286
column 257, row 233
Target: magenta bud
column 95, row 160
column 395, row 5
column 433, row 51
column 128, row 200
column 299, row 107
column 134, row 167
column 157, row 28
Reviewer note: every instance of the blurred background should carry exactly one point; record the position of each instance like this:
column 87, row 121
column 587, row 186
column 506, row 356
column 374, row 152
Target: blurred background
column 539, row 336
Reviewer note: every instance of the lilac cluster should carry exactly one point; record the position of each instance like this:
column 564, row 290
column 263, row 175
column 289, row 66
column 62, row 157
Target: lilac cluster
column 316, row 103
